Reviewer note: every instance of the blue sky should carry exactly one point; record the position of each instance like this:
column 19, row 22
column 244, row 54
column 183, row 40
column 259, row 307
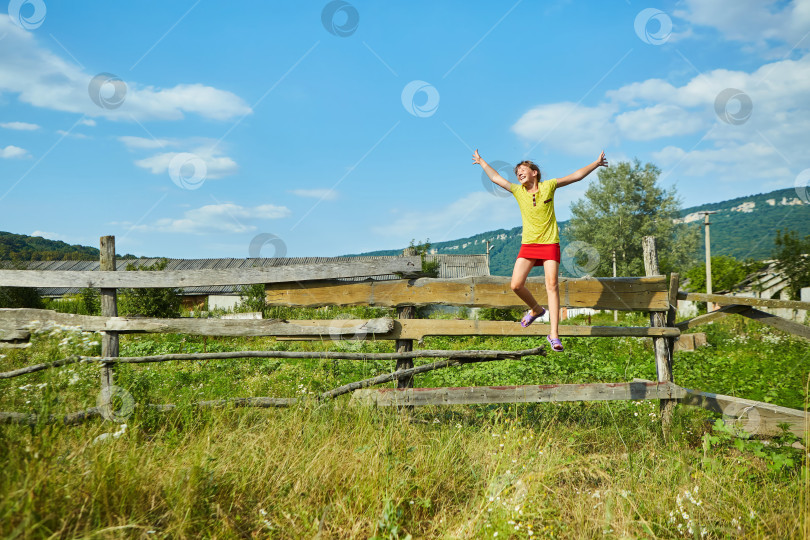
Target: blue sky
column 200, row 128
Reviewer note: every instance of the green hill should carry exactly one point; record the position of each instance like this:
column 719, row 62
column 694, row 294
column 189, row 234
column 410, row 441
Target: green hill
column 21, row 247
column 743, row 228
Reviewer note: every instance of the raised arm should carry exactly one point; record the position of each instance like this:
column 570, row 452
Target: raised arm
column 583, row 172
column 492, row 173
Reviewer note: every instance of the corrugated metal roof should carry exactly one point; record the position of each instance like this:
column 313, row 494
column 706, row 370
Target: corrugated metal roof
column 450, row 266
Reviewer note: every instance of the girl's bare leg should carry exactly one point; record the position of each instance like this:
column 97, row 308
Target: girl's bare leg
column 519, row 276
column 551, row 269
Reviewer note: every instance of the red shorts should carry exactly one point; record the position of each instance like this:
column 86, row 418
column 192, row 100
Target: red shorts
column 540, row 252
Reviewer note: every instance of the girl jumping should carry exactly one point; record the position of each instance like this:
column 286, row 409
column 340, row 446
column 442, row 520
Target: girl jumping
column 541, row 236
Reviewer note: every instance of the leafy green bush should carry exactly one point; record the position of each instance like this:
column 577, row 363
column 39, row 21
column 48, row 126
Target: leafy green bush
column 498, row 314
column 430, row 268
column 20, row 297
column 86, row 302
column 793, row 260
column 158, row 302
column 251, row 298
column 726, row 273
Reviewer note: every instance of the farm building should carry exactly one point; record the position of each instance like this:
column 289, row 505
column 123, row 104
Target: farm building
column 765, row 283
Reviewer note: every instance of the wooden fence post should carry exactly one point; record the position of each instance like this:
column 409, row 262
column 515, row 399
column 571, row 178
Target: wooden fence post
column 109, row 308
column 663, row 350
column 405, row 345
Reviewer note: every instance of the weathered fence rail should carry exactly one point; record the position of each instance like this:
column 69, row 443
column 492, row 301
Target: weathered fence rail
column 17, row 323
column 319, row 285
column 629, row 294
column 192, row 278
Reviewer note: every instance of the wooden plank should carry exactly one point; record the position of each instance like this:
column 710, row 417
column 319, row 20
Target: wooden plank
column 708, row 317
column 109, row 308
column 754, row 417
column 672, row 312
column 742, row 300
column 33, row 419
column 17, row 320
column 385, row 397
column 419, row 328
column 197, row 278
column 662, row 347
column 635, row 294
column 779, row 323
column 24, row 318
column 451, row 361
column 7, row 345
column 453, row 355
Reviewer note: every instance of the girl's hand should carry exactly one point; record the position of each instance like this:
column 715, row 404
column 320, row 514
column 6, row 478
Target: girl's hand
column 602, row 161
column 476, row 158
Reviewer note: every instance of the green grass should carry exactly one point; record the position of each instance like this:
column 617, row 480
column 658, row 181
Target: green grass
column 572, row 470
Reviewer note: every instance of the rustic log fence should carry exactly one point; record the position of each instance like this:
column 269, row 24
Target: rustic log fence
column 319, row 285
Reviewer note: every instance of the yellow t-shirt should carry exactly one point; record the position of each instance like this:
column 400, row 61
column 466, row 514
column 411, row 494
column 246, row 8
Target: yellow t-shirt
column 539, row 221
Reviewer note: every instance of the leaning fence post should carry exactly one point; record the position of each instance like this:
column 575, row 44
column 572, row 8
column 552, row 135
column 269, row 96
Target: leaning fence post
column 109, row 308
column 405, row 345
column 661, row 346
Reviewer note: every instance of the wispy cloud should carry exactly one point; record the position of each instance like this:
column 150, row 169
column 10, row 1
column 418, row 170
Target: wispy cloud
column 213, row 218
column 42, row 79
column 764, row 145
column 470, row 214
column 316, row 193
column 217, row 164
column 136, row 143
column 19, row 126
column 72, row 135
column 761, row 24
column 13, row 152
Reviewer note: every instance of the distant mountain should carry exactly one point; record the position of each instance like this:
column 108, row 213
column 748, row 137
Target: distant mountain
column 21, row 247
column 743, row 228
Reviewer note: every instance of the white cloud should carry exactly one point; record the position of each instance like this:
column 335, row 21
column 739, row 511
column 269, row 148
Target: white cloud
column 88, row 122
column 470, row 214
column 317, row 193
column 212, row 218
column 20, row 126
column 752, row 21
column 565, row 126
column 767, row 144
column 661, row 120
column 216, row 166
column 43, row 79
column 13, row 152
column 49, row 235
column 142, row 142
column 71, row 134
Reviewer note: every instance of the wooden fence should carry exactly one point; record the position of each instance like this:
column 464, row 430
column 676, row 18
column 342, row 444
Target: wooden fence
column 318, row 285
